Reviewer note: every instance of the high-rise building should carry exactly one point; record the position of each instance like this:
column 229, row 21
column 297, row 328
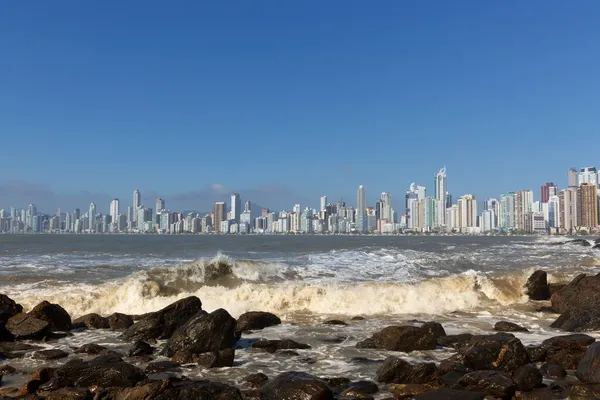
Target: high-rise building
column 467, row 209
column 160, row 205
column 572, row 177
column 587, row 205
column 218, row 215
column 488, row 221
column 554, row 212
column 588, row 175
column 568, row 209
column 236, row 207
column 92, row 217
column 248, row 206
column 137, row 202
column 114, row 210
column 441, row 188
column 506, row 219
column 549, row 189
column 386, row 211
column 323, row 203
column 410, row 205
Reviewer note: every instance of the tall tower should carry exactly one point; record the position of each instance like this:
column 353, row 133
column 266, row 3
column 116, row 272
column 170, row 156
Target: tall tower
column 386, row 199
column 114, row 210
column 92, row 217
column 547, row 191
column 572, row 177
column 587, row 205
column 441, row 188
column 236, row 207
column 137, row 202
column 361, row 201
column 218, row 215
column 160, row 205
column 323, row 203
column 588, row 175
column 247, row 206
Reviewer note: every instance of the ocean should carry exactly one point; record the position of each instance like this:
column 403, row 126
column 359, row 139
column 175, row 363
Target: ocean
column 466, row 283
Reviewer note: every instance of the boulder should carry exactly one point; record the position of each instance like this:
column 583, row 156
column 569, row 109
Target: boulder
column 255, row 320
column 273, row 345
column 173, row 390
column 16, row 349
column 401, row 338
column 409, row 390
column 581, row 292
column 119, row 321
column 450, row 394
column 553, row 371
column 396, row 370
column 91, row 321
column 203, row 333
column 435, row 328
column 454, row 341
column 335, row 322
column 256, row 380
column 296, row 385
column 24, row 326
column 105, row 371
column 501, row 352
column 162, row 324
column 213, row 359
column 58, row 318
column 39, row 377
column 505, row 326
column 140, row 348
column 67, row 394
column 359, row 390
column 567, row 350
column 90, row 348
column 8, row 309
column 494, row 383
column 579, row 319
column 53, row 354
column 537, row 286
column 161, row 366
column 527, row 378
column 588, row 370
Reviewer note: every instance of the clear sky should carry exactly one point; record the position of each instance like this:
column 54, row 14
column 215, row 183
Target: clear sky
column 284, row 100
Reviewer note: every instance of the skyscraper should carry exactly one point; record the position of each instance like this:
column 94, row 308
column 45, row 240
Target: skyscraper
column 218, row 215
column 588, row 175
column 160, row 205
column 572, row 177
column 236, row 207
column 137, row 202
column 467, row 212
column 361, row 209
column 587, row 205
column 549, row 189
column 387, row 212
column 114, row 210
column 323, row 203
column 568, row 209
column 92, row 217
column 247, row 206
column 441, row 188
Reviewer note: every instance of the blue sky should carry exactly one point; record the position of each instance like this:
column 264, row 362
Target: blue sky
column 281, row 100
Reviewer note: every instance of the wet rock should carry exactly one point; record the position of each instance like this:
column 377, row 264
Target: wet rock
column 451, row 370
column 505, row 326
column 105, row 371
column 494, row 383
column 24, row 326
column 555, row 287
column 119, row 321
column 68, row 394
column 367, row 387
column 8, row 370
column 578, row 338
column 335, row 322
column 213, row 359
column 450, row 394
column 537, row 286
column 8, row 309
column 357, row 318
column 54, row 354
column 588, row 370
column 273, row 345
column 581, row 292
column 365, row 361
column 161, row 366
column 91, row 321
column 296, row 385
column 141, row 348
column 567, row 350
column 578, row 320
column 409, row 390
column 337, row 382
column 583, row 392
column 175, row 390
column 553, row 371
column 501, row 352
column 58, row 318
column 90, row 348
column 396, row 370
column 527, row 378
column 16, row 349
column 435, row 328
column 39, row 377
column 203, row 333
column 401, row 338
column 255, row 320
column 454, row 341
column 162, row 324
column 256, row 380
column 334, row 340
column 536, row 353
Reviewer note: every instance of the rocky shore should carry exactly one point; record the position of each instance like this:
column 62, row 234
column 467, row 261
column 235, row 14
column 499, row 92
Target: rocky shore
column 166, row 346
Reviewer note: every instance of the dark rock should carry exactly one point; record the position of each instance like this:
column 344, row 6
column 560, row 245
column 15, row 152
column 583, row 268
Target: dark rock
column 435, row 328
column 162, row 324
column 501, row 352
column 335, row 322
column 39, row 377
column 256, row 380
column 365, row 361
column 54, row 354
column 454, row 341
column 273, row 345
column 536, row 353
column 90, row 348
column 16, row 349
column 366, row 387
column 527, row 378
column 555, row 287
column 68, row 394
column 337, row 382
column 581, row 292
column 578, row 338
column 255, row 320
column 494, row 383
column 567, row 350
column 401, row 338
column 579, row 320
column 119, row 321
column 24, row 326
column 505, row 326
column 583, row 392
column 106, row 371
column 450, row 394
column 91, row 321
column 175, row 390
column 141, row 348
column 396, row 370
column 357, row 318
column 409, row 390
column 203, row 333
column 588, row 370
column 537, row 286
column 553, row 371
column 214, row 359
column 161, row 366
column 451, row 370
column 8, row 309
column 297, row 385
column 8, row 370
column 58, row 318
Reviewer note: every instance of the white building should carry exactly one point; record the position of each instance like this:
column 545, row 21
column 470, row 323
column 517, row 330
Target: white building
column 488, row 221
column 588, row 175
column 441, row 189
column 467, row 208
column 361, row 209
